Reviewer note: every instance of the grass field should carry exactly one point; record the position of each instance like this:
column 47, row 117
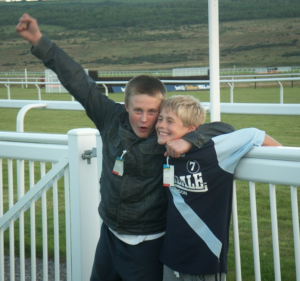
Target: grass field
column 286, row 129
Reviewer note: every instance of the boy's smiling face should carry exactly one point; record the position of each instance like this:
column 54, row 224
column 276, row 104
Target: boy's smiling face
column 170, row 127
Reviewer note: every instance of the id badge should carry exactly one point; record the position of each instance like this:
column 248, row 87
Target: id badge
column 168, row 175
column 118, row 167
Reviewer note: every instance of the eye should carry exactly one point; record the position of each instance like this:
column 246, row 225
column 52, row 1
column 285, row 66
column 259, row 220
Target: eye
column 138, row 110
column 152, row 111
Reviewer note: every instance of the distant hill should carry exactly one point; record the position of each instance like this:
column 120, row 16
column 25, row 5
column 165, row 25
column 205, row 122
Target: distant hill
column 152, row 34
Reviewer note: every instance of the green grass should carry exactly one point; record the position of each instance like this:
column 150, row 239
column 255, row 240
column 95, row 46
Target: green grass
column 286, row 129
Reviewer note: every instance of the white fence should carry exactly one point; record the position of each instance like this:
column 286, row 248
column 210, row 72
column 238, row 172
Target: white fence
column 58, row 157
column 270, row 165
column 165, row 72
column 54, row 85
column 229, row 81
column 56, row 161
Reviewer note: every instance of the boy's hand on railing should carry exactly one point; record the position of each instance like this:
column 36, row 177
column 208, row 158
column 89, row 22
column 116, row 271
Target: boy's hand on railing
column 28, row 29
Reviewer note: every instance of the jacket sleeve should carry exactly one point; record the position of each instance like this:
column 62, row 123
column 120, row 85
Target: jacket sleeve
column 74, row 78
column 207, row 131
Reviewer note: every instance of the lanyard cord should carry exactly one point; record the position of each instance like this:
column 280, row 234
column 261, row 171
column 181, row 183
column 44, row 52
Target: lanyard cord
column 126, row 150
column 167, row 159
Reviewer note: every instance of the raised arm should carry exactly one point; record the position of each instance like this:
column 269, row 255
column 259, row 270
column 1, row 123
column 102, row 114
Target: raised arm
column 73, row 77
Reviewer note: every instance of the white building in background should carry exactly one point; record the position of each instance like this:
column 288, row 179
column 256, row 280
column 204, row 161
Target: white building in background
column 190, row 71
column 280, row 69
column 56, row 87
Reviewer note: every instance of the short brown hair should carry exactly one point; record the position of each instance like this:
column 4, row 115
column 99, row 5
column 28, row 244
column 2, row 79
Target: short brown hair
column 187, row 108
column 145, row 84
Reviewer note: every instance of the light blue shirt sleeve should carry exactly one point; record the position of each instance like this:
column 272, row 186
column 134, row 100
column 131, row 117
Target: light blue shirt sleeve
column 230, row 148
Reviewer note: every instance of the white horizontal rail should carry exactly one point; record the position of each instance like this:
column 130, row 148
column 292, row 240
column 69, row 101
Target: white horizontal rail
column 29, row 83
column 269, row 171
column 234, row 108
column 261, row 75
column 40, row 74
column 281, row 79
column 259, row 108
column 32, row 152
column 35, row 138
column 256, row 80
column 8, row 78
column 59, row 105
column 276, row 165
column 285, row 153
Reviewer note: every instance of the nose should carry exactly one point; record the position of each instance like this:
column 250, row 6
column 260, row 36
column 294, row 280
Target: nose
column 144, row 117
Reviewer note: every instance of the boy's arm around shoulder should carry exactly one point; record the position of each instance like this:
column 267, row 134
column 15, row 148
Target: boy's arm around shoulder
column 198, row 138
column 207, row 131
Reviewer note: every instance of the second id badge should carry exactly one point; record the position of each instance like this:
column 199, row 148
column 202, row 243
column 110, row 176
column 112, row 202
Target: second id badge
column 119, row 167
column 168, row 179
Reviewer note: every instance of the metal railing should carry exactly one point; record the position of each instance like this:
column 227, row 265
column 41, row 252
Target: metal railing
column 57, row 157
column 165, row 72
column 279, row 165
column 230, row 82
column 268, row 165
column 32, row 204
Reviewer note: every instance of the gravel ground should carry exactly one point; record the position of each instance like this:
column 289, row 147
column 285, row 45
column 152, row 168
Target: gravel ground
column 39, row 270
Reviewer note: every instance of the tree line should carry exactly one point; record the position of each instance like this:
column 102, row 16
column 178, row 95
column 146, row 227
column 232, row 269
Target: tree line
column 109, row 14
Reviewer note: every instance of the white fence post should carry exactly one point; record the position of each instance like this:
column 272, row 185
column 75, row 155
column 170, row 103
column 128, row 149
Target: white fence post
column 84, row 200
column 8, row 90
column 281, row 92
column 25, row 74
column 214, row 60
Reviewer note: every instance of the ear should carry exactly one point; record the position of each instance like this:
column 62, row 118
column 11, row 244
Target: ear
column 126, row 107
column 192, row 128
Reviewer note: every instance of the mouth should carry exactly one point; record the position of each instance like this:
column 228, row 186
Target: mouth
column 162, row 134
column 143, row 129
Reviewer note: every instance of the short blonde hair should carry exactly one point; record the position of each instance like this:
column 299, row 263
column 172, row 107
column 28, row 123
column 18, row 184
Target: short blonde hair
column 145, row 84
column 187, row 108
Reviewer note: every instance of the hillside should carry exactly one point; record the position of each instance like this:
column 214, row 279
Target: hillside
column 112, row 35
